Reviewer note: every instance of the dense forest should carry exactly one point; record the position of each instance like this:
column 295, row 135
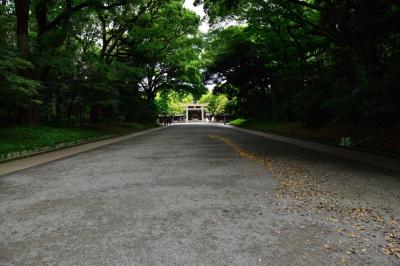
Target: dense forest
column 310, row 61
column 67, row 62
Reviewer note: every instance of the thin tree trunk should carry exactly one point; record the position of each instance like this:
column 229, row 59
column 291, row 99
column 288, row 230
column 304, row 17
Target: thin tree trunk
column 80, row 115
column 70, row 109
column 57, row 107
column 94, row 112
column 274, row 103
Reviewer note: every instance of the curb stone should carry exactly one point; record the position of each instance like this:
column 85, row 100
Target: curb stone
column 26, row 153
column 390, row 163
column 16, row 165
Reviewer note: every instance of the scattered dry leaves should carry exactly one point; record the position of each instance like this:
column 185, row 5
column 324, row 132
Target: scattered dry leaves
column 297, row 182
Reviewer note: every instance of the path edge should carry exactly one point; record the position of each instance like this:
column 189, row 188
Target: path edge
column 16, row 165
column 374, row 159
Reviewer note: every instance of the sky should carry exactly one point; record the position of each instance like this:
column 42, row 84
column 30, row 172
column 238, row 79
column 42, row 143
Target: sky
column 199, row 11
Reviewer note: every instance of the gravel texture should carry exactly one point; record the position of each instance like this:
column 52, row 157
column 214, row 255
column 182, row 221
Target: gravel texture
column 200, row 195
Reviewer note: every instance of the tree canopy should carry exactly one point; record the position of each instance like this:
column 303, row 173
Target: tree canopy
column 216, row 104
column 313, row 61
column 77, row 61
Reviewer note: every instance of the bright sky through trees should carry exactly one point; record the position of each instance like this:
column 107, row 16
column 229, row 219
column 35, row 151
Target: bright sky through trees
column 204, row 27
column 199, row 11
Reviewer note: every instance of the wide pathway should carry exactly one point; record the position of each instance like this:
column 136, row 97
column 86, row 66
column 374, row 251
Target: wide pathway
column 200, row 195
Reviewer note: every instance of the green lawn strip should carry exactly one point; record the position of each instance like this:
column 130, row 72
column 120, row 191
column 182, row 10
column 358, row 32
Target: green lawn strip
column 289, row 129
column 365, row 139
column 25, row 138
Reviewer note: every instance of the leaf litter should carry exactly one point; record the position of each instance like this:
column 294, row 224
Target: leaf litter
column 356, row 225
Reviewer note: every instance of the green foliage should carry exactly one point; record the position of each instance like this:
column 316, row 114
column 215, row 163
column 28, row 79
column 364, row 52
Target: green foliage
column 308, row 61
column 166, row 52
column 263, row 125
column 103, row 61
column 217, row 104
column 27, row 138
column 355, row 136
column 238, row 122
column 96, row 61
column 346, row 142
column 171, row 102
column 21, row 138
column 16, row 90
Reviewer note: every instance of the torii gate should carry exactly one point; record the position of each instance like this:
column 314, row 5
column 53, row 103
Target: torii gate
column 195, row 107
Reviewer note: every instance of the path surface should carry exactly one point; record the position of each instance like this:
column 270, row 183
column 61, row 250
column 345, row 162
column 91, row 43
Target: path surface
column 200, row 195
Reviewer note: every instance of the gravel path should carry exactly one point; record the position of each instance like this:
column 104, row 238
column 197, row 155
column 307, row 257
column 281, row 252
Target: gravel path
column 200, row 195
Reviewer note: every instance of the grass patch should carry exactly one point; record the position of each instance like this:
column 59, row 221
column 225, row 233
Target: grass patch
column 382, row 140
column 269, row 126
column 296, row 129
column 238, row 122
column 118, row 128
column 20, row 138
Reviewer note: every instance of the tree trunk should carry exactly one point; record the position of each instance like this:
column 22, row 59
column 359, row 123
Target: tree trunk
column 70, row 109
column 368, row 53
column 94, row 113
column 57, row 107
column 80, row 114
column 28, row 115
column 150, row 95
column 22, row 7
column 22, row 10
column 273, row 97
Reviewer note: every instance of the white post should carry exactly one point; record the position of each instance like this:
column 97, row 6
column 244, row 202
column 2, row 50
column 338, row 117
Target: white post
column 202, row 114
column 187, row 114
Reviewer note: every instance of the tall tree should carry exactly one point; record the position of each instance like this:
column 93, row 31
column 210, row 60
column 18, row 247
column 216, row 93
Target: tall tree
column 22, row 8
column 166, row 51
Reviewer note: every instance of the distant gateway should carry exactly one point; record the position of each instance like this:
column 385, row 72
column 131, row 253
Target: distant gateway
column 195, row 112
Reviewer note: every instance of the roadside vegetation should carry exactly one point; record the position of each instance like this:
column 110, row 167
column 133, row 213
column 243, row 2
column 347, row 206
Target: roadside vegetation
column 319, row 67
column 76, row 70
column 25, row 138
column 312, row 62
column 384, row 140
